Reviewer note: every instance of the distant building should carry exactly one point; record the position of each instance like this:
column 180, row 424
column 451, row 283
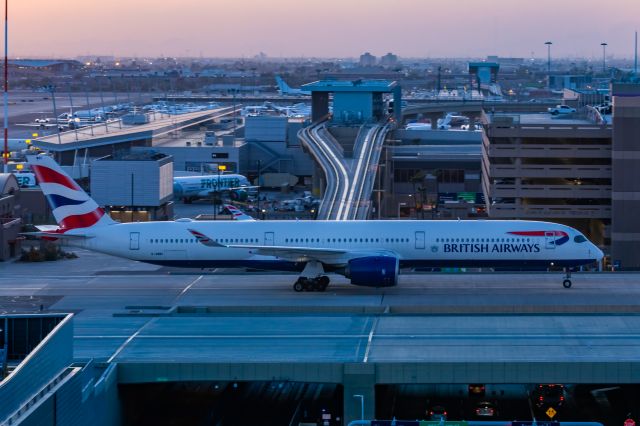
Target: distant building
column 625, row 182
column 367, row 60
column 568, row 81
column 9, row 223
column 136, row 186
column 537, row 167
column 52, row 65
column 389, row 60
column 484, row 72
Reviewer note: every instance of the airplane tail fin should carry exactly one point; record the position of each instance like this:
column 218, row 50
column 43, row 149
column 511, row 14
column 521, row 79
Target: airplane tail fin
column 71, row 206
column 237, row 213
column 282, row 85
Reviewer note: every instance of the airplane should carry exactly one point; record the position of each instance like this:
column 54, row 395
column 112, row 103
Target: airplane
column 284, row 88
column 25, row 179
column 190, row 188
column 369, row 253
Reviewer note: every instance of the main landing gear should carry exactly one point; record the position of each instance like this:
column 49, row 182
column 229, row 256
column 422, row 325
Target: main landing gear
column 312, row 278
column 567, row 278
column 311, row 284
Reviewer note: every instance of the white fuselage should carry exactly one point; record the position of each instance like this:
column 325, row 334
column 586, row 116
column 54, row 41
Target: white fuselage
column 205, row 185
column 414, row 243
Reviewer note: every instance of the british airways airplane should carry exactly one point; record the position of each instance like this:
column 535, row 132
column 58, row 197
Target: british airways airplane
column 370, row 253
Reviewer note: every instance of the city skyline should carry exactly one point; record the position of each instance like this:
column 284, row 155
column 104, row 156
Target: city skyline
column 282, row 28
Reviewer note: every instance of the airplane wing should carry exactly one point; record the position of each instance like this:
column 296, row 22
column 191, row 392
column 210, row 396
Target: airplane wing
column 55, row 235
column 53, row 232
column 295, row 253
column 40, row 125
column 244, row 187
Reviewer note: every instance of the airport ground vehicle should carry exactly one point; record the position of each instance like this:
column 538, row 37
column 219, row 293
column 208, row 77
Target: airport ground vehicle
column 561, row 109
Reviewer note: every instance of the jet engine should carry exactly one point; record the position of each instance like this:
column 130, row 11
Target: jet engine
column 373, row 271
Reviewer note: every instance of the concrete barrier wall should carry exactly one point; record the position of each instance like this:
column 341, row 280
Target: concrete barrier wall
column 41, row 366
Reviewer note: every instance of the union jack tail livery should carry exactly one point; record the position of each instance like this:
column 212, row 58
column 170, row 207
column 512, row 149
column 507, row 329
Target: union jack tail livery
column 237, row 213
column 71, row 206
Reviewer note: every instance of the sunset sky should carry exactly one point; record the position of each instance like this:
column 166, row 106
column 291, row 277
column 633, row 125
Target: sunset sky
column 328, row 28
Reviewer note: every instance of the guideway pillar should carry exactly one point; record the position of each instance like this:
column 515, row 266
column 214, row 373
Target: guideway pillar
column 359, row 379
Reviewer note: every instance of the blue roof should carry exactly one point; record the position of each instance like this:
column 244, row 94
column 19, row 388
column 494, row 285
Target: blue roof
column 351, row 86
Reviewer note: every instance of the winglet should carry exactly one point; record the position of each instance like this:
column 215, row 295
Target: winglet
column 237, row 213
column 204, row 240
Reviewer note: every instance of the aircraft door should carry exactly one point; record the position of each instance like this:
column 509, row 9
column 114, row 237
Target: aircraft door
column 268, row 238
column 134, row 241
column 420, row 240
column 549, row 240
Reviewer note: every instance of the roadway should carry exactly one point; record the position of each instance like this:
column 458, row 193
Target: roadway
column 114, row 132
column 350, row 181
column 121, row 309
column 167, row 325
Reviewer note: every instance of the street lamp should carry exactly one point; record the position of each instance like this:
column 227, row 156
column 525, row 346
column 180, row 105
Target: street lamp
column 221, row 168
column 604, row 57
column 5, row 152
column 361, row 405
column 548, row 43
column 259, row 183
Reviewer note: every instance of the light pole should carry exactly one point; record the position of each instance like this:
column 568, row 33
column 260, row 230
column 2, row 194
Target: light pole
column 604, row 57
column 5, row 153
column 361, row 405
column 548, row 43
column 259, row 183
column 220, row 167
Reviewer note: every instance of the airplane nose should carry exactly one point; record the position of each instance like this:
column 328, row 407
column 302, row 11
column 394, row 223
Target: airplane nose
column 596, row 252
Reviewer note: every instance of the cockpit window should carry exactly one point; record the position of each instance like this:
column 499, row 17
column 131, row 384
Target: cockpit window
column 579, row 239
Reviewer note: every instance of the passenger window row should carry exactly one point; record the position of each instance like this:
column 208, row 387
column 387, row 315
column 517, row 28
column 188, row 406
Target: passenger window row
column 191, row 240
column 483, row 240
column 345, row 240
column 172, row 240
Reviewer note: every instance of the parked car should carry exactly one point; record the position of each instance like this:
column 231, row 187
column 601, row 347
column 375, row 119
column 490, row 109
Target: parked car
column 561, row 109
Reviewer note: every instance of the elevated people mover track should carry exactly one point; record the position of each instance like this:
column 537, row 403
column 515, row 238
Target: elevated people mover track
column 349, row 181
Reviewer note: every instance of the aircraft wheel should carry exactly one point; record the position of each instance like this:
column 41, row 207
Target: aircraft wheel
column 323, row 283
column 298, row 286
column 566, row 283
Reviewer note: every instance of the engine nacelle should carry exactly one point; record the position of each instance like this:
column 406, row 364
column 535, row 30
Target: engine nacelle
column 373, row 271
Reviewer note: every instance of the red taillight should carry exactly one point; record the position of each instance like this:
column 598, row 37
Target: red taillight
column 431, row 413
column 445, row 413
column 562, row 398
column 541, row 398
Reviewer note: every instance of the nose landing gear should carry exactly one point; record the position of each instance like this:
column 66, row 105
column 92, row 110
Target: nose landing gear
column 567, row 278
